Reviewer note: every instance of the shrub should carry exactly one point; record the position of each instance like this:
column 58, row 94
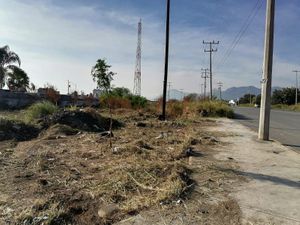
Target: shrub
column 138, row 101
column 214, row 109
column 39, row 110
column 175, row 109
column 121, row 98
column 115, row 102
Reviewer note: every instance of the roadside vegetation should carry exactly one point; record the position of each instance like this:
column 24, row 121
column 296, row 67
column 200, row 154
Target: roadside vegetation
column 283, row 99
column 39, row 110
column 295, row 108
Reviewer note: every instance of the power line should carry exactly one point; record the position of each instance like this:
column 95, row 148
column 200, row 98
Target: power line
column 241, row 32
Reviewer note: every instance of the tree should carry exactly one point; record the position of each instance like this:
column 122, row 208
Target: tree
column 285, row 96
column 191, row 97
column 102, row 75
column 247, row 99
column 7, row 59
column 32, row 87
column 17, row 78
column 258, row 99
column 52, row 94
column 121, row 92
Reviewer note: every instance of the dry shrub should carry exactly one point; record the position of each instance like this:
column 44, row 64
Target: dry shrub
column 214, row 109
column 175, row 109
column 115, row 102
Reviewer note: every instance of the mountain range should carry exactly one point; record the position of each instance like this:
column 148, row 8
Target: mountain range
column 230, row 93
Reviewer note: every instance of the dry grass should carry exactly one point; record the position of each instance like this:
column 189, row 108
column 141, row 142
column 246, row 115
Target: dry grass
column 67, row 176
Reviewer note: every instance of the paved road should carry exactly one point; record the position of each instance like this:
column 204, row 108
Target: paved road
column 285, row 126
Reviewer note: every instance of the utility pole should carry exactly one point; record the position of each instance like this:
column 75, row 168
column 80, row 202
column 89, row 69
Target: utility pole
column 205, row 76
column 220, row 85
column 265, row 110
column 202, row 92
column 169, row 89
column 138, row 66
column 211, row 50
column 182, row 94
column 69, row 87
column 163, row 116
column 296, row 71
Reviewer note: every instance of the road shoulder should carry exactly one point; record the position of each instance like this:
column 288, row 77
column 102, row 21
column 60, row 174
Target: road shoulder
column 272, row 194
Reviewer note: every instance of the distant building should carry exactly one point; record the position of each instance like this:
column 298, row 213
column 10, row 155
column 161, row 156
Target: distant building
column 44, row 91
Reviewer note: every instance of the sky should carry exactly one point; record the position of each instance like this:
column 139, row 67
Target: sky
column 60, row 40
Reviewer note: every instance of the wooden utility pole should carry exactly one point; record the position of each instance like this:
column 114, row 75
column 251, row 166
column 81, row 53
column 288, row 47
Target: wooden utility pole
column 69, row 87
column 265, row 110
column 163, row 116
column 211, row 50
column 296, row 99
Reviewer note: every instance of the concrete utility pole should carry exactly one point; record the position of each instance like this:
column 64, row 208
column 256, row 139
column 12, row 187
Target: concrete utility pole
column 163, row 116
column 169, row 89
column 182, row 94
column 220, row 84
column 265, row 110
column 205, row 76
column 201, row 91
column 296, row 71
column 211, row 51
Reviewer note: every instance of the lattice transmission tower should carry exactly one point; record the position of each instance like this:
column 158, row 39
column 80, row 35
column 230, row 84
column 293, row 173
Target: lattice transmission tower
column 138, row 67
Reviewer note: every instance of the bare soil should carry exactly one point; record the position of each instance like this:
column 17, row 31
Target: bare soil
column 162, row 171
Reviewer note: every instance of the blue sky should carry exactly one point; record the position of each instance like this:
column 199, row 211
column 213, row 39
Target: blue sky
column 60, row 40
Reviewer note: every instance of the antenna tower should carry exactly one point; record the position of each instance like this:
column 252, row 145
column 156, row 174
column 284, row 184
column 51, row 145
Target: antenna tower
column 138, row 66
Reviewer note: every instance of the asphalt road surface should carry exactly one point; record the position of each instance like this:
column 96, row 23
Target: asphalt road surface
column 285, row 125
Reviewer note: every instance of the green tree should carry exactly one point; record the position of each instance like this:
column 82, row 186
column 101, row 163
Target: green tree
column 17, row 78
column 121, row 92
column 247, row 99
column 7, row 59
column 102, row 75
column 258, row 99
column 285, row 96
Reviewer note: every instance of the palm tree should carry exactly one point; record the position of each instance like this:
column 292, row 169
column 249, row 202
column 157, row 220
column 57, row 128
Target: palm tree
column 7, row 59
column 17, row 79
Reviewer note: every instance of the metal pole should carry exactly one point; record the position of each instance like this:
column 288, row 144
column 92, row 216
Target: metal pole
column 265, row 111
column 163, row 117
column 297, row 88
column 296, row 97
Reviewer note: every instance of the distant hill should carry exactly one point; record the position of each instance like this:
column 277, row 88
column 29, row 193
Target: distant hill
column 176, row 94
column 238, row 92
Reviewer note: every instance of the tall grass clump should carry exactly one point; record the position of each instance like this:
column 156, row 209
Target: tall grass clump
column 214, row 109
column 39, row 110
column 287, row 107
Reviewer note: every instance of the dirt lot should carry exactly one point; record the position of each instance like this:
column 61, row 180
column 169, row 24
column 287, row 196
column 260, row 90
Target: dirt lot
column 157, row 169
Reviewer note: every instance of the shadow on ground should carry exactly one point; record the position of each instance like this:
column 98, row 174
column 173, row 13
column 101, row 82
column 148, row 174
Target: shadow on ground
column 263, row 177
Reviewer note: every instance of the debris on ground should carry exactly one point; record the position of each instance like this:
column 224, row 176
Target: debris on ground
column 80, row 120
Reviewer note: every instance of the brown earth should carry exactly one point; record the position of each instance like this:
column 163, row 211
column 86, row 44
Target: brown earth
column 154, row 168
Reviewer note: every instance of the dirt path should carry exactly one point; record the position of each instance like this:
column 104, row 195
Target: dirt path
column 272, row 195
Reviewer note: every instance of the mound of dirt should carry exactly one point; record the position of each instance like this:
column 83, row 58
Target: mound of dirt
column 58, row 131
column 19, row 131
column 80, row 120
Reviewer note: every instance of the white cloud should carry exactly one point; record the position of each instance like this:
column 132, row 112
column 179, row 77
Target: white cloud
column 56, row 45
